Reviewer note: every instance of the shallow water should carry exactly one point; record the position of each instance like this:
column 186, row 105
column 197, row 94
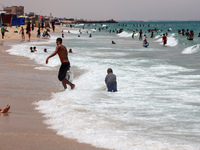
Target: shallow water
column 157, row 105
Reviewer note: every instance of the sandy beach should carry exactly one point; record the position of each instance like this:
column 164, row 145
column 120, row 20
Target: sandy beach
column 22, row 127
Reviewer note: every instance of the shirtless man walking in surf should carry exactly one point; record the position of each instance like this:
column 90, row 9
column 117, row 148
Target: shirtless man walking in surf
column 61, row 50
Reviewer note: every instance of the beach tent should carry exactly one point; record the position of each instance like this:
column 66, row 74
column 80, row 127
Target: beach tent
column 7, row 19
column 14, row 20
column 20, row 21
column 2, row 17
column 21, row 16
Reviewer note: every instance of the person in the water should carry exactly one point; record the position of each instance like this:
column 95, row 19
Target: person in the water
column 111, row 81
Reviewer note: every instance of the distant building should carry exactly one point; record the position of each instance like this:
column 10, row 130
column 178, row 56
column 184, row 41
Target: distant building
column 31, row 14
column 2, row 12
column 14, row 10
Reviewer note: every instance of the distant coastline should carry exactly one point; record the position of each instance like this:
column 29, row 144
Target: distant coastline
column 90, row 21
column 114, row 21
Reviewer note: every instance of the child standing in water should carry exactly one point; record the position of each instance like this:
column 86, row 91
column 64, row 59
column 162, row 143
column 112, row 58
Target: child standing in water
column 164, row 38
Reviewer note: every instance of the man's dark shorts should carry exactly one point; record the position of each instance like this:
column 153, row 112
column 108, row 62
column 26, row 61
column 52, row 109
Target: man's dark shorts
column 63, row 70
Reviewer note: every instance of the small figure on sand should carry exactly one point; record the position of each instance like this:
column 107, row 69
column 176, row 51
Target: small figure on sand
column 61, row 50
column 53, row 25
column 38, row 33
column 2, row 31
column 22, row 33
column 28, row 30
column 5, row 110
column 111, row 81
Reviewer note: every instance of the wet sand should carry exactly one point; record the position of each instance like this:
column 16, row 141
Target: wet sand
column 22, row 127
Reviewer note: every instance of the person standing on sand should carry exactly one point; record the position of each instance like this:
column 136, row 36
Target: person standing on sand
column 22, row 32
column 53, row 25
column 28, row 30
column 32, row 27
column 2, row 31
column 61, row 50
column 38, row 33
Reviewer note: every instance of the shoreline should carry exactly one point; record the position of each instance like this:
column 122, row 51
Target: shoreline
column 22, row 85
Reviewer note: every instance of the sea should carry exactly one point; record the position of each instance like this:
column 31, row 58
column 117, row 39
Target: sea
column 157, row 105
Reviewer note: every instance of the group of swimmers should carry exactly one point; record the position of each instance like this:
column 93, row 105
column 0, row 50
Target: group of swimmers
column 190, row 35
column 152, row 31
column 33, row 49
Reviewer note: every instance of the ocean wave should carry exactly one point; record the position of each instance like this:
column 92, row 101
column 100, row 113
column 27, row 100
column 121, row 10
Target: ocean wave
column 44, row 68
column 79, row 25
column 191, row 50
column 171, row 40
column 125, row 34
column 39, row 56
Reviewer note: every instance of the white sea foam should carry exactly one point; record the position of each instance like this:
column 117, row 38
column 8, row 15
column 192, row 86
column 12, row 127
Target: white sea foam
column 97, row 117
column 191, row 50
column 79, row 24
column 44, row 68
column 125, row 34
column 154, row 108
column 158, row 36
column 39, row 56
column 93, row 30
column 171, row 40
column 123, row 118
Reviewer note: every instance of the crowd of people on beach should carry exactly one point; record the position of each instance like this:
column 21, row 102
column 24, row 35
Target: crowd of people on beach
column 28, row 29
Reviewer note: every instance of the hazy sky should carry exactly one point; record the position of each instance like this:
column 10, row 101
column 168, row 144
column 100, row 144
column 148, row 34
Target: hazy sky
column 112, row 9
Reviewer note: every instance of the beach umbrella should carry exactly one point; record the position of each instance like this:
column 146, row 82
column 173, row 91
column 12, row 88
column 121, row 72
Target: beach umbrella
column 21, row 16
